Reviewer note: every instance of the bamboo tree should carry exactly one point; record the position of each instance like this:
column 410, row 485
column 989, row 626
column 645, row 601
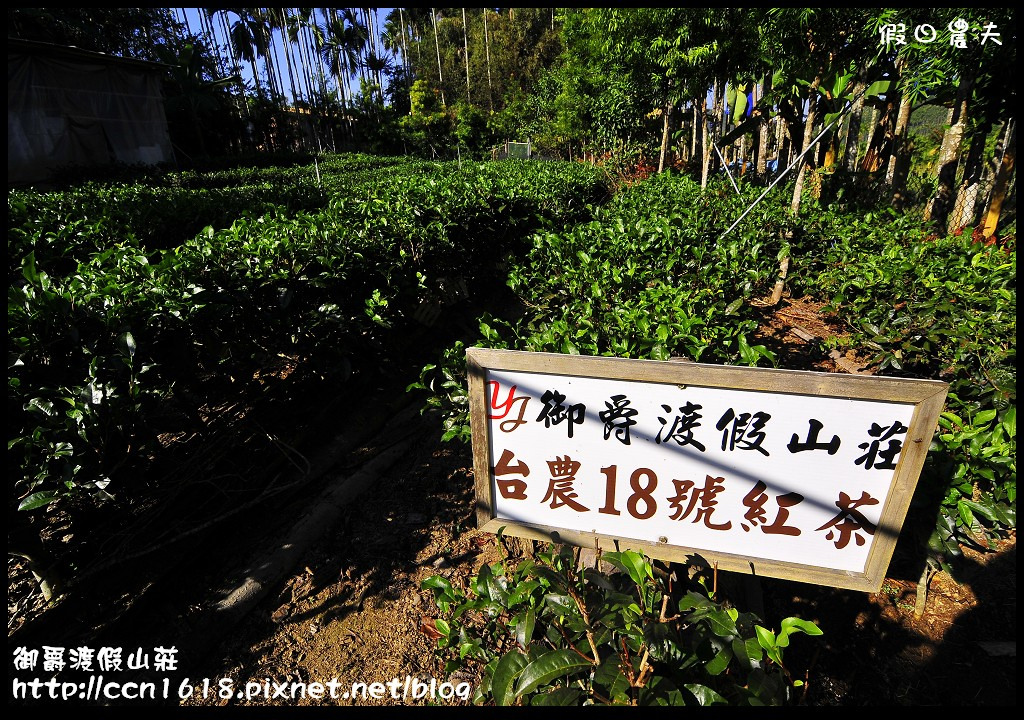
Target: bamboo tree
column 465, row 41
column 487, row 46
column 184, row 15
column 437, row 45
column 278, row 23
column 296, row 27
column 339, row 53
column 405, row 55
column 248, row 38
column 298, row 34
column 271, row 61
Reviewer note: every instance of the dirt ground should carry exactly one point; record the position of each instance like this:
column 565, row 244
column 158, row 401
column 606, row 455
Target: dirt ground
column 350, row 605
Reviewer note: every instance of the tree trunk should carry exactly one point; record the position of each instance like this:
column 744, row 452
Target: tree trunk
column 236, row 68
column 287, row 45
column 899, row 160
column 437, row 46
column 939, row 207
column 718, row 94
column 696, row 125
column 419, row 47
column 706, row 138
column 852, row 132
column 1002, row 180
column 26, row 544
column 755, row 146
column 702, row 140
column 763, row 135
column 724, row 119
column 877, row 153
column 854, row 157
column 487, row 49
column 270, row 60
column 309, row 67
column 806, row 164
column 406, row 60
column 684, row 146
column 719, row 125
column 465, row 41
column 963, row 214
column 669, row 107
column 782, row 143
column 895, row 173
column 824, row 151
column 378, row 50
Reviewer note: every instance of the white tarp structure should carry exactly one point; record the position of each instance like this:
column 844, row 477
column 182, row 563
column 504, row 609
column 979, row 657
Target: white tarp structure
column 69, row 107
column 518, row 150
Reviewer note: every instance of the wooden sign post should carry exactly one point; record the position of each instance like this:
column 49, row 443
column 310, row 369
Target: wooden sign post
column 778, row 473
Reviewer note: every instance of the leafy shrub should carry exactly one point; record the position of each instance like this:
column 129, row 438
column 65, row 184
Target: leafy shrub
column 550, row 632
column 104, row 327
column 933, row 307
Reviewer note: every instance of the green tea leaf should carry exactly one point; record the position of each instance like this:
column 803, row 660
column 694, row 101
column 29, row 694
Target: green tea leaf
column 506, row 673
column 1009, row 421
column 37, row 499
column 127, row 344
column 436, row 582
column 525, row 622
column 559, row 697
column 550, row 665
column 705, row 695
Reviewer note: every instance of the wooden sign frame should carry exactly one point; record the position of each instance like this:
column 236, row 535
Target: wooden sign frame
column 925, row 396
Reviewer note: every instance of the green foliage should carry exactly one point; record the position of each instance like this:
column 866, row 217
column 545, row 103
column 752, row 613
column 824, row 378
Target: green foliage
column 428, row 128
column 936, row 307
column 112, row 315
column 548, row 631
column 518, row 46
column 471, row 134
column 648, row 277
column 644, row 279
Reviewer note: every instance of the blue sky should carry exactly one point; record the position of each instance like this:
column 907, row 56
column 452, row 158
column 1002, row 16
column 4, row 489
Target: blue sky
column 191, row 15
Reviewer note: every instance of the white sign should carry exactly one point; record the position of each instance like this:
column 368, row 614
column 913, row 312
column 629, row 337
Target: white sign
column 789, row 474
